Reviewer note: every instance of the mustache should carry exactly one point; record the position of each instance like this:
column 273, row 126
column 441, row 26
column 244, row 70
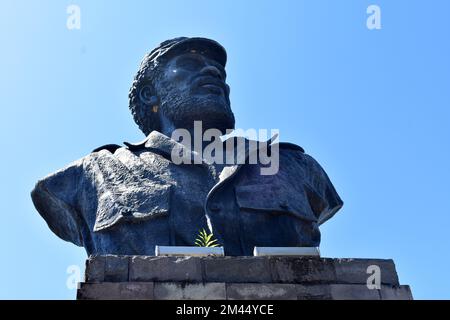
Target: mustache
column 209, row 80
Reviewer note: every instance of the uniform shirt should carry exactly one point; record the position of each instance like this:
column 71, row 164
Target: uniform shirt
column 127, row 200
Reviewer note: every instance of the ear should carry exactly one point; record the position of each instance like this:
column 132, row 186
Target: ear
column 148, row 96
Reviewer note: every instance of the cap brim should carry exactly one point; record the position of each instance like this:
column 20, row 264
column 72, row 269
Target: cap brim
column 203, row 46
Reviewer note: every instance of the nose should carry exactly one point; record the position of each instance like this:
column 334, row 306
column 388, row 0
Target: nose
column 211, row 71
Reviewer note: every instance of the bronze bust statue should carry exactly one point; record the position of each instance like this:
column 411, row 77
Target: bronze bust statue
column 127, row 199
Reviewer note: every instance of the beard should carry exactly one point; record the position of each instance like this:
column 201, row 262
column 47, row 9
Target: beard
column 214, row 111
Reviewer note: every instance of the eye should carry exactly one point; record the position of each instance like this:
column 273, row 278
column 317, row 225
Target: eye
column 190, row 63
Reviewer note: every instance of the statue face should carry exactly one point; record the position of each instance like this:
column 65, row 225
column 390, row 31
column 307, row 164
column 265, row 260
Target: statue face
column 192, row 88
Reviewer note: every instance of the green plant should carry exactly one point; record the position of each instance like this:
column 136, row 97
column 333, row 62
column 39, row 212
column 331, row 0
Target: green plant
column 205, row 240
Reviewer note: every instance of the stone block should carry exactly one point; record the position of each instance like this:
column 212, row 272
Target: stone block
column 149, row 268
column 302, row 270
column 313, row 292
column 258, row 278
column 261, row 291
column 237, row 269
column 354, row 271
column 353, row 292
column 115, row 291
column 116, row 268
column 95, row 269
column 189, row 291
column 396, row 293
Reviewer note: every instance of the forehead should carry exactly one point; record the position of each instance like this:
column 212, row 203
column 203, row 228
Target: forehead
column 193, row 56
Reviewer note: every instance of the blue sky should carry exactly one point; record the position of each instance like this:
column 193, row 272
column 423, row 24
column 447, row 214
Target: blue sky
column 372, row 106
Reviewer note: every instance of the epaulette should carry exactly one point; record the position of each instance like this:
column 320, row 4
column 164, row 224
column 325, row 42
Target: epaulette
column 110, row 147
column 136, row 146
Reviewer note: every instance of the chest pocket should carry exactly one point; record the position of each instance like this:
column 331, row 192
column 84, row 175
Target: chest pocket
column 274, row 200
column 132, row 203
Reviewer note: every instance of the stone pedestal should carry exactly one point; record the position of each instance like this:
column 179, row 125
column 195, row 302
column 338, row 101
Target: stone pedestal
column 230, row 278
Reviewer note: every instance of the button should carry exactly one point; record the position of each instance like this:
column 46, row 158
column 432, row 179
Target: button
column 284, row 204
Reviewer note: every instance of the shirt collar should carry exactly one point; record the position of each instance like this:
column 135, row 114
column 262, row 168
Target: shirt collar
column 164, row 145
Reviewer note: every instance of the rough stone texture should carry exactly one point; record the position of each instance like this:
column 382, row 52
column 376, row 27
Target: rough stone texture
column 302, row 270
column 190, row 291
column 237, row 291
column 116, row 291
column 357, row 273
column 144, row 268
column 353, row 292
column 95, row 269
column 237, row 269
column 396, row 293
column 149, row 277
column 278, row 291
column 287, row 269
column 261, row 291
column 116, row 268
column 313, row 292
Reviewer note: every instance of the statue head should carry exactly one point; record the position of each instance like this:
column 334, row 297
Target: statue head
column 179, row 82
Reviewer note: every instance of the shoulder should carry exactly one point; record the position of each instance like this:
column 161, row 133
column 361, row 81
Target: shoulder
column 294, row 154
column 287, row 150
column 291, row 147
column 75, row 169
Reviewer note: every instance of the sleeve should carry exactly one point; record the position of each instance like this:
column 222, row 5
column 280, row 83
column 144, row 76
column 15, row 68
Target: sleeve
column 322, row 196
column 55, row 198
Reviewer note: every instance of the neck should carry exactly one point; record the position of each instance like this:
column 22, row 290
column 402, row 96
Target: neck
column 194, row 130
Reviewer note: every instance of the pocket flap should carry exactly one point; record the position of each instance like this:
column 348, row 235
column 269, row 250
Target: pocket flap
column 132, row 203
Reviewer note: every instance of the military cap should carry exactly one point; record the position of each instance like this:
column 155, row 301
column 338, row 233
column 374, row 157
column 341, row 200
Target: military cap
column 181, row 45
